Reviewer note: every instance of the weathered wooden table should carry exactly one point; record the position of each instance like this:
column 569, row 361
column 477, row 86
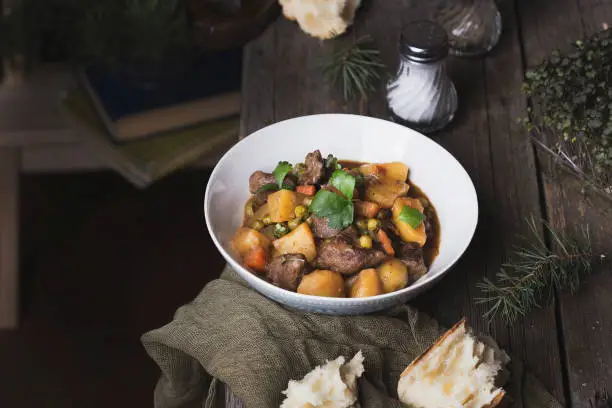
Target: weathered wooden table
column 568, row 345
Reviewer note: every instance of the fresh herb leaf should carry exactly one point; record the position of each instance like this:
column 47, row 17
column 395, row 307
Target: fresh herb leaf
column 273, row 187
column 281, row 171
column 343, row 218
column 338, row 210
column 411, row 216
column 359, row 180
column 344, row 182
column 326, row 203
column 267, row 187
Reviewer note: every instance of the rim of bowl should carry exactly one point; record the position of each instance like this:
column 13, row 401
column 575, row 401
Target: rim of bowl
column 298, row 296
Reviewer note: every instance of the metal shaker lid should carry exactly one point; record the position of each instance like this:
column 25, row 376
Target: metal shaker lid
column 423, row 41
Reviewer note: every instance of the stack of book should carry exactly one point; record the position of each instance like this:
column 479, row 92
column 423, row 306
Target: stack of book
column 145, row 133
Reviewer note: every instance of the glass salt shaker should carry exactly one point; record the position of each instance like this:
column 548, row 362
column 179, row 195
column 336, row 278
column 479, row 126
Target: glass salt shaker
column 421, row 95
column 473, row 26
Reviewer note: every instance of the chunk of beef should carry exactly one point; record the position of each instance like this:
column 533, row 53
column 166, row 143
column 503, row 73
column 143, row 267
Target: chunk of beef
column 314, row 170
column 286, row 271
column 260, row 178
column 261, row 198
column 341, row 255
column 429, row 225
column 321, row 229
column 351, row 234
column 411, row 254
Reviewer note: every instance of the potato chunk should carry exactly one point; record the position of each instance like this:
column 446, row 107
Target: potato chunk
column 396, row 171
column 298, row 241
column 322, row 282
column 407, row 233
column 384, row 192
column 367, row 284
column 247, row 239
column 393, row 275
column 281, row 205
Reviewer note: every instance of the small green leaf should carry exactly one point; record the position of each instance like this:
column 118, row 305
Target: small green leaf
column 411, row 216
column 344, row 182
column 267, row 187
column 272, row 187
column 338, row 210
column 281, row 171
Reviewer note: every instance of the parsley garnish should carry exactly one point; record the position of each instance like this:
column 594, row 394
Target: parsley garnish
column 338, row 210
column 267, row 187
column 272, row 187
column 411, row 216
column 343, row 182
column 281, row 171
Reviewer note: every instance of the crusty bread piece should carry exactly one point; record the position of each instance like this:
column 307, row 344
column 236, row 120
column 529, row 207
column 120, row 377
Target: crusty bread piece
column 458, row 371
column 321, row 19
column 332, row 385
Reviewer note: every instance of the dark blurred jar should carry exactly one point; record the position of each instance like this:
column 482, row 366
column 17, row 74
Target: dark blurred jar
column 473, row 26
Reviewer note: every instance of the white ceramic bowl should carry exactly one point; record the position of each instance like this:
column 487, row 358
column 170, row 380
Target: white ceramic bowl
column 348, row 137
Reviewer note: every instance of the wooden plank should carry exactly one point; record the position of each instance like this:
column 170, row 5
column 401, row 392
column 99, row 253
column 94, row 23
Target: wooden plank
column 9, row 237
column 485, row 140
column 258, row 62
column 586, row 317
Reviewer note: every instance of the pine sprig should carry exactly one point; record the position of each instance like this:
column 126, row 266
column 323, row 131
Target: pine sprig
column 535, row 271
column 355, row 68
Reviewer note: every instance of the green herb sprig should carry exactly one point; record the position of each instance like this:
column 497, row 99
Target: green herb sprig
column 338, row 209
column 280, row 172
column 355, row 68
column 411, row 216
column 572, row 115
column 534, row 272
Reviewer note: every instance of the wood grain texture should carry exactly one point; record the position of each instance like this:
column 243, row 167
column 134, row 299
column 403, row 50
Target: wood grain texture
column 9, row 237
column 484, row 137
column 585, row 316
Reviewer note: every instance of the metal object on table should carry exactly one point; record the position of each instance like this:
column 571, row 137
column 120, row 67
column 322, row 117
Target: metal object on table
column 421, row 95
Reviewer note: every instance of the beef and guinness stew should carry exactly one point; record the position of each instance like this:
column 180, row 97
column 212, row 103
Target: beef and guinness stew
column 328, row 227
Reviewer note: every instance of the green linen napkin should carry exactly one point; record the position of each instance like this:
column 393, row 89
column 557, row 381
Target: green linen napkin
column 231, row 333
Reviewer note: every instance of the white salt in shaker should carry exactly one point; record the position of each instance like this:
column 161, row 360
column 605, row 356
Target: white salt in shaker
column 421, row 95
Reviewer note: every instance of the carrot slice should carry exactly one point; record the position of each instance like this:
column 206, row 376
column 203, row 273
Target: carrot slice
column 385, row 242
column 256, row 259
column 366, row 209
column 308, row 190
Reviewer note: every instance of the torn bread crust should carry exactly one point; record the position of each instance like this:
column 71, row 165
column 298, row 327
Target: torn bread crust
column 441, row 340
column 497, row 401
column 482, row 352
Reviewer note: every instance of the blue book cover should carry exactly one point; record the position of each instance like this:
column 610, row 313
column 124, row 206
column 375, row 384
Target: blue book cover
column 131, row 109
